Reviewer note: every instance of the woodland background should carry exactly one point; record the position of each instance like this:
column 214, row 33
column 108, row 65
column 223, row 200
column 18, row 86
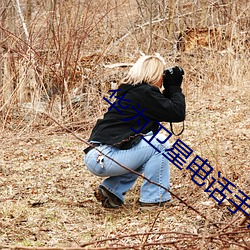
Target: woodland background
column 58, row 59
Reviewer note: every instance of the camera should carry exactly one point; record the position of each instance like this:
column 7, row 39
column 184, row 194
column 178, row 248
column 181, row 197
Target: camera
column 173, row 76
column 171, row 70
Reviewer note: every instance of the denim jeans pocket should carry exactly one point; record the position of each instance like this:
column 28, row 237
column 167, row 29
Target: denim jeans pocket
column 95, row 160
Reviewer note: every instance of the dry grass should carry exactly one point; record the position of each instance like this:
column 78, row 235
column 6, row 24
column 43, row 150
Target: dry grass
column 46, row 194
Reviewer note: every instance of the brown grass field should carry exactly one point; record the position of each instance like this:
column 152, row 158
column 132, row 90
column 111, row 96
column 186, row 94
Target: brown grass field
column 55, row 76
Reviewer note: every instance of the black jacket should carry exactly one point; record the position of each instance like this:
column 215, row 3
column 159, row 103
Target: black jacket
column 116, row 127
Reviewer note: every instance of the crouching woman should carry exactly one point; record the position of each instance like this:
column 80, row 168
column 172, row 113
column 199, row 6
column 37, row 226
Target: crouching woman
column 129, row 134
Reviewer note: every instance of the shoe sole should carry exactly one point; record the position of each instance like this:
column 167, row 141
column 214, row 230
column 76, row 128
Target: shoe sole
column 102, row 196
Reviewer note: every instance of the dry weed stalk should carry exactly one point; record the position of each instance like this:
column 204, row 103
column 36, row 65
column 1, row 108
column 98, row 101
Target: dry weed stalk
column 59, row 36
column 54, row 74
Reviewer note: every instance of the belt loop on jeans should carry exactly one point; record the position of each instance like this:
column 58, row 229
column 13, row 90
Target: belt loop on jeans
column 92, row 146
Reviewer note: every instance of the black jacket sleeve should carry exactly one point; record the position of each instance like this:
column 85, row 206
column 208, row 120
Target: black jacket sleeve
column 168, row 107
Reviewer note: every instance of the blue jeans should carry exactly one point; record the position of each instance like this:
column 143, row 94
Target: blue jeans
column 142, row 158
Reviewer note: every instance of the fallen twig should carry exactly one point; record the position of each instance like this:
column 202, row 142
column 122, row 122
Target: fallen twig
column 175, row 237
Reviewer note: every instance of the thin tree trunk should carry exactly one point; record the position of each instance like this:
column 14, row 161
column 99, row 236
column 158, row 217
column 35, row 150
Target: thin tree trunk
column 28, row 14
column 171, row 19
column 203, row 19
column 6, row 78
column 28, row 90
column 150, row 9
column 20, row 13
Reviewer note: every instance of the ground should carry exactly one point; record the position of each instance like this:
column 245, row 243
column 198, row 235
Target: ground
column 46, row 192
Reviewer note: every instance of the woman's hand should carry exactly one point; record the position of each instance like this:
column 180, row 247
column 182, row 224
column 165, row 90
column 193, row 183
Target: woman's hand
column 173, row 77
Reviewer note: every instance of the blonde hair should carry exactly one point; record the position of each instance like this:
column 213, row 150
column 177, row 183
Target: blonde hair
column 148, row 69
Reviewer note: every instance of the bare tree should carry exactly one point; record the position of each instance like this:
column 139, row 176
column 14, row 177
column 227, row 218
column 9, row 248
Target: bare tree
column 203, row 22
column 150, row 10
column 27, row 86
column 6, row 62
column 171, row 19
